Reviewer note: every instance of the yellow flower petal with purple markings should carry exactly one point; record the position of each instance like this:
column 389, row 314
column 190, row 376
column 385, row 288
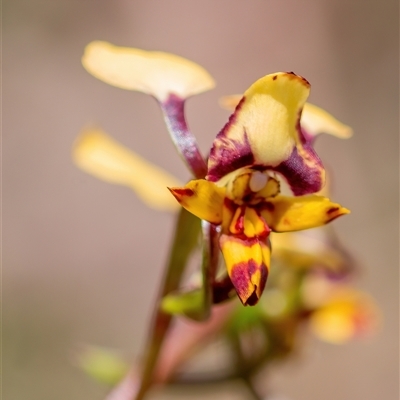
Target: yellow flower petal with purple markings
column 98, row 154
column 264, row 131
column 202, row 198
column 156, row 73
column 247, row 262
column 287, row 214
column 315, row 120
column 254, row 224
column 238, row 188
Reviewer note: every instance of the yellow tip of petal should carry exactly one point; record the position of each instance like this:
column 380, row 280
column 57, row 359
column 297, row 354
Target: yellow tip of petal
column 315, row 120
column 98, row 154
column 155, row 73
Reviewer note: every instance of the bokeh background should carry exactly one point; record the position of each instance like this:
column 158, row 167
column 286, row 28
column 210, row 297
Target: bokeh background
column 82, row 259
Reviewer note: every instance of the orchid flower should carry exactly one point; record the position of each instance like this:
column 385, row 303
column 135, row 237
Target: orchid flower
column 241, row 192
column 237, row 190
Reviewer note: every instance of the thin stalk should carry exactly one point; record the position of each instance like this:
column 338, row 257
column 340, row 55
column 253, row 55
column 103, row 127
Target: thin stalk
column 184, row 140
column 185, row 239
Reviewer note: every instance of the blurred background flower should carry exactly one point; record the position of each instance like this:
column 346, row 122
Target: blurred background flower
column 76, row 248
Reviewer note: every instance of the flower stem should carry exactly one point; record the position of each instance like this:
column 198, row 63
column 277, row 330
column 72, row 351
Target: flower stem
column 184, row 140
column 185, row 240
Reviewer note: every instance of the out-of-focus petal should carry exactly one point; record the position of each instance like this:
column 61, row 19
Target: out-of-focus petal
column 230, row 102
column 315, row 120
column 347, row 314
column 155, row 73
column 98, row 154
column 105, row 365
column 247, row 262
column 302, row 251
column 202, row 198
column 287, row 214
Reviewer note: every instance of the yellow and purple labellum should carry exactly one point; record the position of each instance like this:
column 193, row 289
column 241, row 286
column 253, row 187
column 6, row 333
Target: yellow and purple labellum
column 247, row 261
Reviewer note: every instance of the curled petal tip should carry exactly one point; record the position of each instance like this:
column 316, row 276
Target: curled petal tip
column 202, row 198
column 181, row 193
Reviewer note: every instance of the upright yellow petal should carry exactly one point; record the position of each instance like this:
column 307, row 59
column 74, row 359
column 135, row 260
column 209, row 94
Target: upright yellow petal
column 155, row 73
column 98, row 154
column 202, row 198
column 314, row 119
column 287, row 214
column 263, row 128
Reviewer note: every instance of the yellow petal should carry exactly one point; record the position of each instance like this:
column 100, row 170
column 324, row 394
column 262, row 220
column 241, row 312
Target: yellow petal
column 297, row 249
column 346, row 315
column 286, row 214
column 155, row 73
column 202, row 198
column 253, row 224
column 315, row 121
column 98, row 154
column 263, row 129
column 247, row 262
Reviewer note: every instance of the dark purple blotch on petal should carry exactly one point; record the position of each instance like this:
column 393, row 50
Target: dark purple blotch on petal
column 241, row 279
column 228, row 155
column 301, row 177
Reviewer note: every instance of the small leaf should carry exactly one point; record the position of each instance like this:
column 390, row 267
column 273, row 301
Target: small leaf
column 189, row 304
column 104, row 365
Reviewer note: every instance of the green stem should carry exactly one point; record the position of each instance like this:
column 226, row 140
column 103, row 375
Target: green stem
column 185, row 239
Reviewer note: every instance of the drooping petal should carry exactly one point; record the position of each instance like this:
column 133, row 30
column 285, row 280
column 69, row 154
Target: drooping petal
column 315, row 120
column 202, row 198
column 287, row 214
column 98, row 154
column 155, row 73
column 247, row 262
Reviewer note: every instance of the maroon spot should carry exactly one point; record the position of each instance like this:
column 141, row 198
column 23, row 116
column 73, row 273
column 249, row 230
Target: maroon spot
column 275, row 77
column 183, row 192
column 240, row 276
column 302, row 178
column 294, row 76
column 332, row 210
column 230, row 204
column 227, row 154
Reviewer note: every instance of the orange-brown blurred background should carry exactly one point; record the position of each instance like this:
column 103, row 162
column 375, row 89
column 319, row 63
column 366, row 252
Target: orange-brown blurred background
column 82, row 259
